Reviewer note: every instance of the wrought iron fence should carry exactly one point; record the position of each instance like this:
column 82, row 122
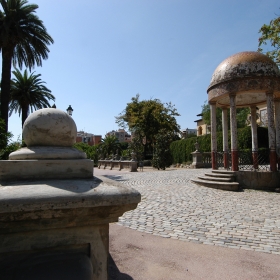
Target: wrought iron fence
column 245, row 160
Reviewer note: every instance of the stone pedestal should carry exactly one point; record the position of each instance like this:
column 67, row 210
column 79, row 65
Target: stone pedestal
column 54, row 215
column 57, row 218
column 197, row 157
column 133, row 166
column 197, row 160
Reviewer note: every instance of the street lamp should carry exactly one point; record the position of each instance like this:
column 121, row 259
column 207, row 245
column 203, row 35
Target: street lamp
column 69, row 110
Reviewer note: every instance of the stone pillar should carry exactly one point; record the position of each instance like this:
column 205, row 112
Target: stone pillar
column 213, row 135
column 233, row 129
column 271, row 131
column 54, row 214
column 225, row 136
column 133, row 166
column 254, row 137
column 277, row 126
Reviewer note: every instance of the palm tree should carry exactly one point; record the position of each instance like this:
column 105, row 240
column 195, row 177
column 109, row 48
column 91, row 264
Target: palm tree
column 23, row 40
column 109, row 144
column 28, row 93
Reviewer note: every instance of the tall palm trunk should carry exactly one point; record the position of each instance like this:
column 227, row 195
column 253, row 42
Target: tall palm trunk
column 6, row 85
column 24, row 113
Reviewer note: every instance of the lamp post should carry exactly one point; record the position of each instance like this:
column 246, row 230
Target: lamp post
column 69, row 110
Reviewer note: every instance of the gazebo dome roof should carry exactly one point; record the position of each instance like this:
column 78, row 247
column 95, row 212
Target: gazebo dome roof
column 242, row 65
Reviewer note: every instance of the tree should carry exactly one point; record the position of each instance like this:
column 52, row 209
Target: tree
column 162, row 155
column 7, row 146
column 146, row 118
column 23, row 40
column 28, row 93
column 241, row 116
column 4, row 136
column 109, row 145
column 206, row 116
column 91, row 151
column 136, row 146
column 271, row 34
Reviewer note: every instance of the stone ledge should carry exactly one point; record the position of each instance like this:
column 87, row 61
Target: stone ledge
column 28, row 196
column 258, row 180
column 48, row 169
column 120, row 164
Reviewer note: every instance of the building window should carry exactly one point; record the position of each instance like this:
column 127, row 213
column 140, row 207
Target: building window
column 200, row 130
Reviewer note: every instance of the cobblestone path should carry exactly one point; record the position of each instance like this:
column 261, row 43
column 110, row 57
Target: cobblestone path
column 173, row 207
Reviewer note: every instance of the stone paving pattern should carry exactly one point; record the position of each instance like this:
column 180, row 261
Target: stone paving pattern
column 174, row 207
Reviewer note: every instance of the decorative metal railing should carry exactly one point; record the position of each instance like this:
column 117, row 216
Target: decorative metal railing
column 245, row 160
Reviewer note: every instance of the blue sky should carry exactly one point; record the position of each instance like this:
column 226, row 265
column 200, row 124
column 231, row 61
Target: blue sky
column 107, row 51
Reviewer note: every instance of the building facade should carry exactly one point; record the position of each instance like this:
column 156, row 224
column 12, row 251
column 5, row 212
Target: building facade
column 201, row 127
column 88, row 138
column 121, row 134
column 185, row 133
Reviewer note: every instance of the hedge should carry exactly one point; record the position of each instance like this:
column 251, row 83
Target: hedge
column 181, row 149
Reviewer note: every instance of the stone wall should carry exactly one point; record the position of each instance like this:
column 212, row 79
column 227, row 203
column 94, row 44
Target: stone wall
column 258, row 180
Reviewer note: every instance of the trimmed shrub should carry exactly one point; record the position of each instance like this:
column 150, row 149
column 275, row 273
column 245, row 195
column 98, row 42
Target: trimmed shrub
column 147, row 163
column 181, row 149
column 89, row 150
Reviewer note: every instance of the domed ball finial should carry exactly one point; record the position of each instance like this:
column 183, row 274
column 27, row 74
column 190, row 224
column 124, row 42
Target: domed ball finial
column 49, row 127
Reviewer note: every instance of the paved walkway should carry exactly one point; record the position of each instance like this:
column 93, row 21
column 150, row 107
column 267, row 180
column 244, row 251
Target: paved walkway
column 173, row 207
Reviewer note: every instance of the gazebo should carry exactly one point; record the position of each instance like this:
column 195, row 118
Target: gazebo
column 245, row 79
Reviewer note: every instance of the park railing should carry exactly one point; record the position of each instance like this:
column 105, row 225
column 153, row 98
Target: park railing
column 245, row 160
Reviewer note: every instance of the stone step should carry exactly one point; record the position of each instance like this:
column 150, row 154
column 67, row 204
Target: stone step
column 220, row 175
column 216, row 179
column 224, row 172
column 227, row 186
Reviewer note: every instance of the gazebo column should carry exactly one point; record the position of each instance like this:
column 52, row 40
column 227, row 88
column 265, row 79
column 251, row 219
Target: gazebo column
column 277, row 128
column 213, row 135
column 271, row 131
column 225, row 136
column 233, row 129
column 254, row 137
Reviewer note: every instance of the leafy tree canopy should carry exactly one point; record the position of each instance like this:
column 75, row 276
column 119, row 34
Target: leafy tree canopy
column 270, row 34
column 91, row 151
column 7, row 146
column 147, row 118
column 162, row 156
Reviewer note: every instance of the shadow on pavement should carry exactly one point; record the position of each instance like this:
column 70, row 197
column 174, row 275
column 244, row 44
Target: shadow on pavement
column 115, row 177
column 114, row 273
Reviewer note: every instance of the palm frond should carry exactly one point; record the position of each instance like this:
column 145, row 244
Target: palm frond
column 28, row 93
